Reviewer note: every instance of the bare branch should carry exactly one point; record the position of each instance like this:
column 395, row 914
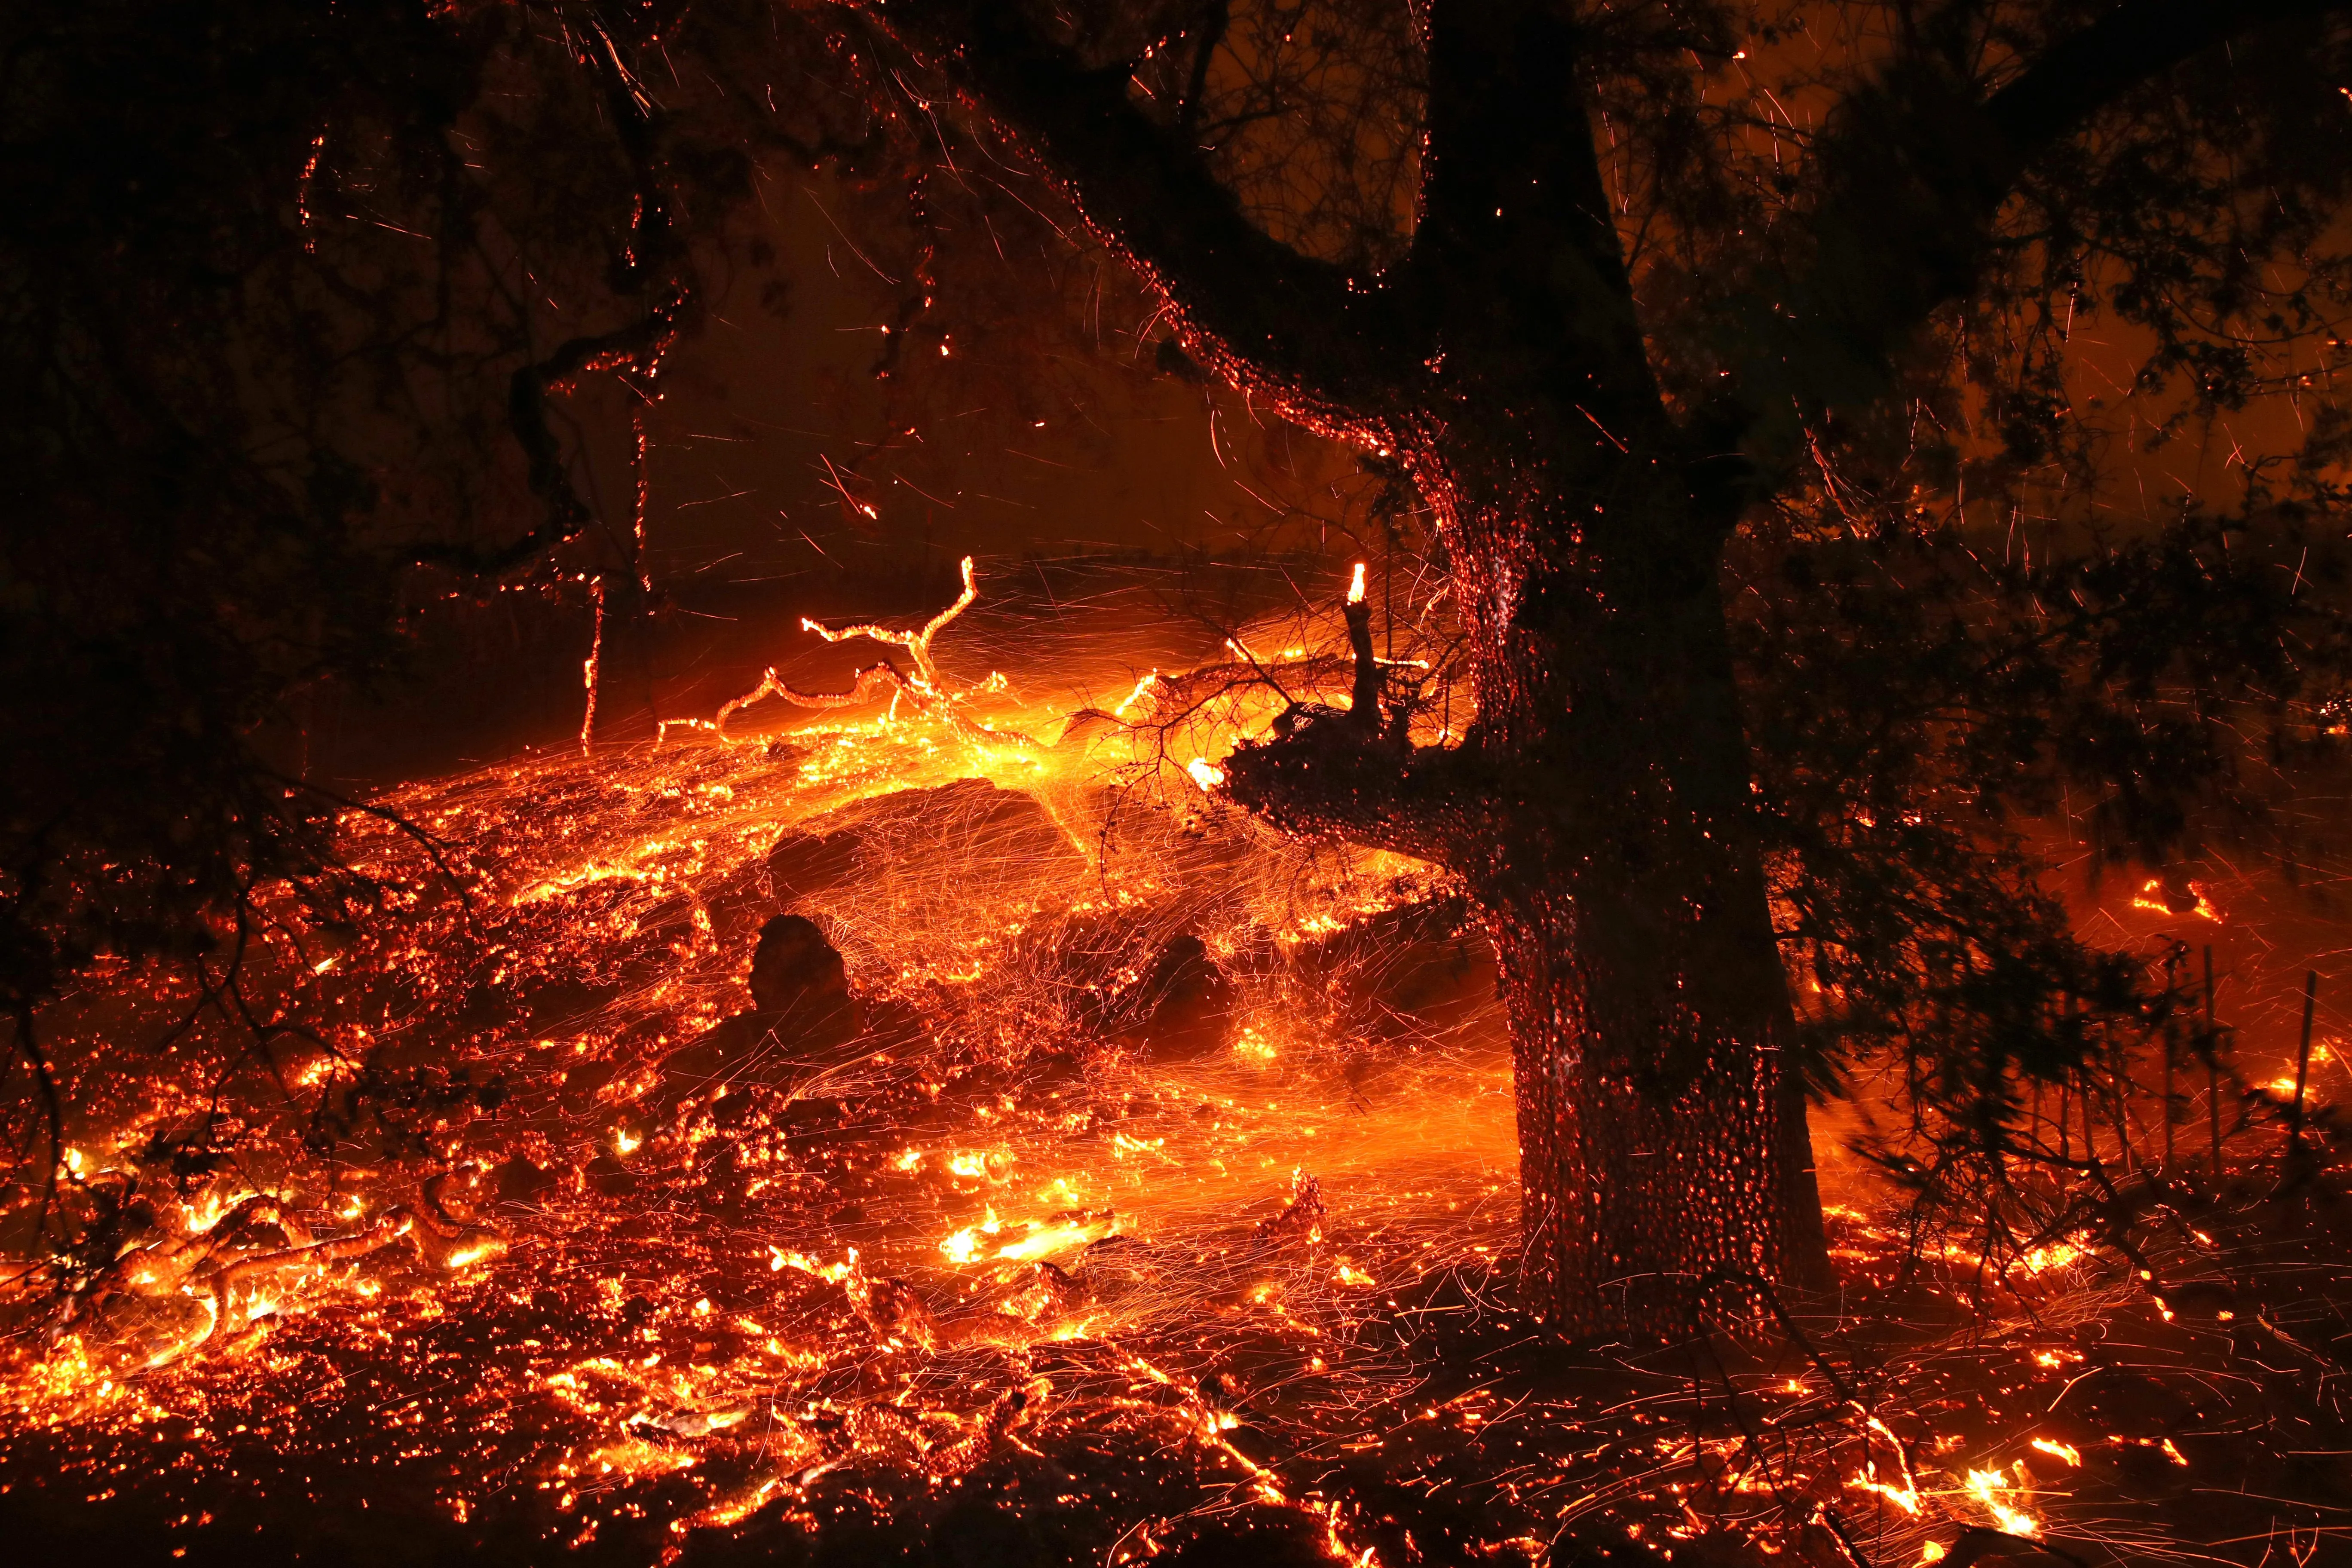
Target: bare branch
column 916, row 643
column 927, row 689
column 1263, row 314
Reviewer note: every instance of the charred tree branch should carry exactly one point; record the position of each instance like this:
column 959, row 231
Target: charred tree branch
column 567, row 515
column 1259, row 310
column 1364, row 701
column 644, row 263
column 1319, row 773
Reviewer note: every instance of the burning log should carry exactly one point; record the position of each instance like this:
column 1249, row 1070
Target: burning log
column 231, row 1267
column 892, row 1308
column 1054, row 1290
column 957, row 1458
column 253, row 1229
column 392, row 1226
column 446, row 1241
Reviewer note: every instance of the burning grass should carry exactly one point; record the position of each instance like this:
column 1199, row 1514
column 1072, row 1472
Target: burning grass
column 1160, row 1200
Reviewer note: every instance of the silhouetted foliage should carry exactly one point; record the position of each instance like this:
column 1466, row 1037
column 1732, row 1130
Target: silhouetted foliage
column 285, row 295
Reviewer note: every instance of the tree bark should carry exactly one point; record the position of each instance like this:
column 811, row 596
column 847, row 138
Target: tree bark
column 1663, row 1134
column 1641, row 1187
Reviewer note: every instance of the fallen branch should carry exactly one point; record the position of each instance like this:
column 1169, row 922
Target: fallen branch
column 926, row 689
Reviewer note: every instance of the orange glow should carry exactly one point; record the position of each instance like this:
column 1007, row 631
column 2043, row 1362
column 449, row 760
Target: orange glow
column 2151, row 897
column 1018, row 1211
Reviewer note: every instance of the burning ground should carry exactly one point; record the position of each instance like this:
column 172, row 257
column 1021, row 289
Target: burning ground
column 1134, row 1182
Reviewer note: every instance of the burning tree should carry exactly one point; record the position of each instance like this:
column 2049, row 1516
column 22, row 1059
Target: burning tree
column 1644, row 331
column 1736, row 357
column 1721, row 342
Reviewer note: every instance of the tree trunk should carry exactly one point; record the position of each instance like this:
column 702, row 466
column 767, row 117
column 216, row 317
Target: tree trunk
column 1664, row 1148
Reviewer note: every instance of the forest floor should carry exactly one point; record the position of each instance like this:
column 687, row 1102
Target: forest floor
column 1161, row 1202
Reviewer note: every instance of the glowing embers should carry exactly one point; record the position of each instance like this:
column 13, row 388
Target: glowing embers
column 2043, row 1259
column 833, row 1273
column 2050, row 1257
column 69, row 1384
column 745, row 1313
column 926, row 690
column 2177, row 898
column 1880, row 1439
column 1989, row 1487
column 1255, row 1046
column 2065, row 1453
column 1026, row 1240
column 988, row 1166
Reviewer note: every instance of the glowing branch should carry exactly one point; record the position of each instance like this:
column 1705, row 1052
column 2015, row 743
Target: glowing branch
column 1364, row 707
column 917, row 644
column 1354, row 772
column 869, row 679
column 926, row 689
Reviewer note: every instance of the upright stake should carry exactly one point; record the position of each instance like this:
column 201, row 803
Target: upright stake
column 2302, row 1063
column 592, row 663
column 2213, row 1069
column 2171, row 1058
column 2122, row 1126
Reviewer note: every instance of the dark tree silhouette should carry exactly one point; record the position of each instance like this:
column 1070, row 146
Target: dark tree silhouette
column 1641, row 337
column 290, row 295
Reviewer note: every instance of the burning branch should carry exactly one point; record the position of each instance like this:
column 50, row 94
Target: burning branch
column 926, row 688
column 1383, row 696
column 917, row 644
column 1364, row 706
column 868, row 681
column 1355, row 772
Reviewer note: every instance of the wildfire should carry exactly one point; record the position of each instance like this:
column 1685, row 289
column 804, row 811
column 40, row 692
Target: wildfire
column 1987, row 1487
column 2043, row 1259
column 1050, row 1201
column 1906, row 1497
column 1253, row 1047
column 2154, row 895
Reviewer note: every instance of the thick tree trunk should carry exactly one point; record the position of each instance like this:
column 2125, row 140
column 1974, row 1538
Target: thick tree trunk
column 1663, row 1145
column 1662, row 1138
